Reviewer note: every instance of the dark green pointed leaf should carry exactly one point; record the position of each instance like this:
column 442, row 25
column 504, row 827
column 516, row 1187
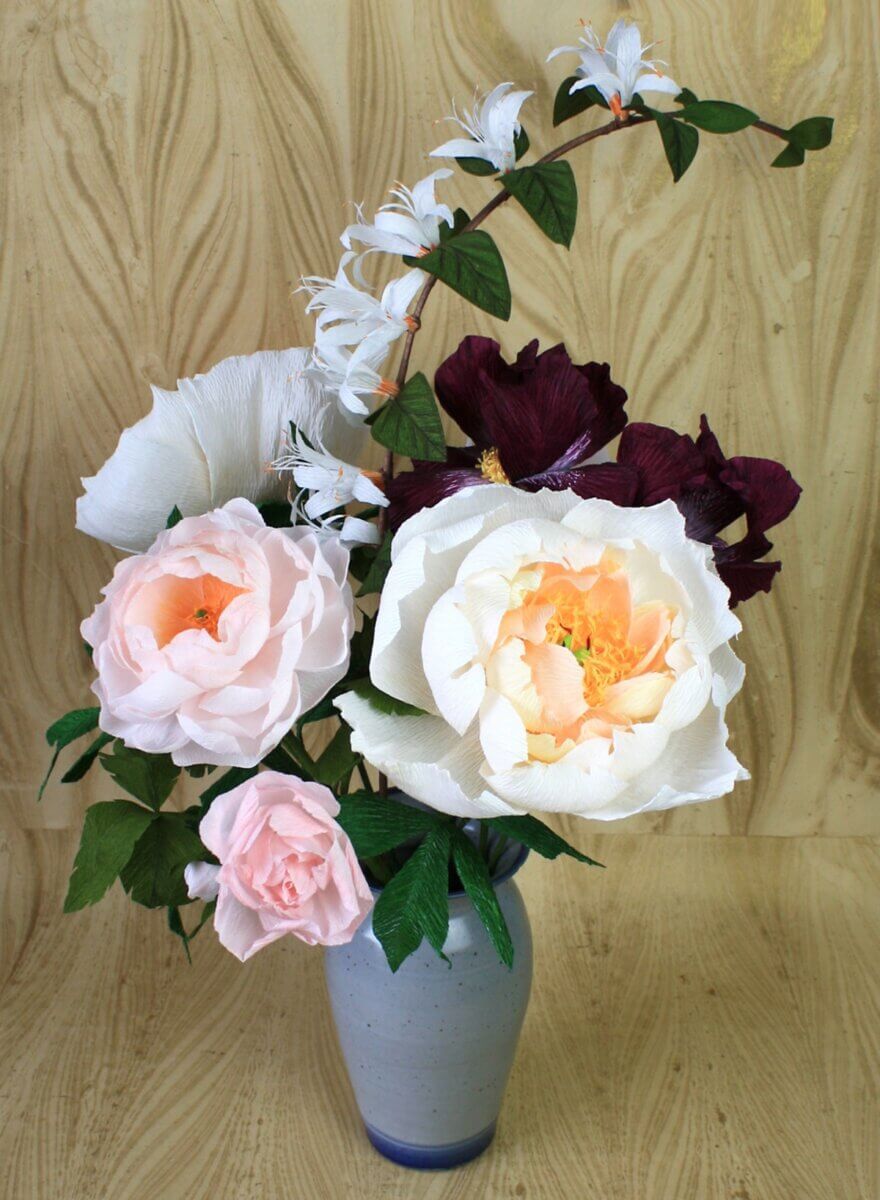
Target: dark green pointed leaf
column 84, row 762
column 153, row 875
column 228, row 780
column 147, row 777
column 381, row 564
column 686, row 96
column 175, row 924
column 471, row 265
column 337, row 760
column 791, row 156
column 679, row 141
column 65, row 730
column 718, row 116
column 109, row 834
column 474, row 875
column 415, row 904
column 520, row 143
column 459, row 219
column 568, row 104
column 538, row 837
column 548, row 193
column 410, row 423
column 367, row 690
column 199, row 770
column 812, row 134
column 173, row 517
column 376, row 824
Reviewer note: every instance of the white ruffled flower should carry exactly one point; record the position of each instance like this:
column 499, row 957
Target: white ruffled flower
column 491, row 128
column 409, row 225
column 618, row 69
column 352, row 376
column 569, row 655
column 348, row 315
column 206, row 443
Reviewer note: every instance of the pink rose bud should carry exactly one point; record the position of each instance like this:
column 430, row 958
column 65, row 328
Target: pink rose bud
column 286, row 866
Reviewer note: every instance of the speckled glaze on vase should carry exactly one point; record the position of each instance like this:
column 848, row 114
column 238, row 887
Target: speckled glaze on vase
column 429, row 1048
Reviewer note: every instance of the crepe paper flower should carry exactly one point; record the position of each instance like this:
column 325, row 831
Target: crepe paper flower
column 492, row 128
column 538, row 422
column 352, row 376
column 569, row 655
column 408, row 225
column 210, row 645
column 206, row 443
column 331, row 482
column 286, row 866
column 713, row 491
column 348, row 314
column 618, row 69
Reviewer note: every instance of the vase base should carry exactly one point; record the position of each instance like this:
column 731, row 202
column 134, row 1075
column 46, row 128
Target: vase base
column 430, row 1158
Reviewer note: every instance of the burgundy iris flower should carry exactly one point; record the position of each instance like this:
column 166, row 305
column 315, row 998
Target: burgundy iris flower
column 712, row 492
column 533, row 423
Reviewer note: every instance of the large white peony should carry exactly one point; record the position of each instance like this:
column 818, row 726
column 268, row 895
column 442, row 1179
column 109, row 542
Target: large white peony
column 570, row 656
column 209, row 442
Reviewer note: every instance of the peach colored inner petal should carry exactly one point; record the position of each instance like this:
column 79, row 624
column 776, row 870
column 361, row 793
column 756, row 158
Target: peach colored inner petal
column 170, row 605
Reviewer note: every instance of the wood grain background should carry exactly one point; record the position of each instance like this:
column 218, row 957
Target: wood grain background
column 170, row 168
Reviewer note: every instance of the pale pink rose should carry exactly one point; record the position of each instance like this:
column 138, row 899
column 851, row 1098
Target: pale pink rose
column 211, row 644
column 285, row 866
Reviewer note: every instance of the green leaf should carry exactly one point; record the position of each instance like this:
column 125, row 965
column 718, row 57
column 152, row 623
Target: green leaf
column 410, row 423
column 718, row 116
column 367, row 690
column 686, row 96
column 539, row 837
column 474, row 874
column 380, row 565
column 228, row 780
column 65, row 730
column 361, row 652
column 147, row 777
column 84, row 762
column 109, row 834
column 471, row 265
column 480, row 166
column 153, row 876
column 791, row 156
column 177, row 927
column 337, row 760
column 459, row 219
column 199, row 770
column 568, row 104
column 379, row 823
column 548, row 193
column 812, row 134
column 173, row 517
column 415, row 904
column 520, row 142
column 679, row 141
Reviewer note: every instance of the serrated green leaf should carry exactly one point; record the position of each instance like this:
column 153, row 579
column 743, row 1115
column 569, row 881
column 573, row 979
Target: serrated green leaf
column 679, row 141
column 791, row 156
column 471, row 265
column 337, row 760
column 718, row 116
column 474, row 875
column 415, row 904
column 538, row 837
column 367, row 690
column 177, row 927
column 173, row 517
column 812, row 134
column 410, row 423
column 153, row 875
column 568, row 104
column 84, row 762
column 376, row 824
column 548, row 193
column 110, row 832
column 228, row 780
column 65, row 730
column 380, row 566
column 147, row 777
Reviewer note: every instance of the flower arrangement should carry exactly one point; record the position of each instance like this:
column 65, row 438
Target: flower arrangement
column 521, row 624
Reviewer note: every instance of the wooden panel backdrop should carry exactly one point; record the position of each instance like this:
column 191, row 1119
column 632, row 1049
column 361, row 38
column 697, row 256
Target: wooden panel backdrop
column 170, row 168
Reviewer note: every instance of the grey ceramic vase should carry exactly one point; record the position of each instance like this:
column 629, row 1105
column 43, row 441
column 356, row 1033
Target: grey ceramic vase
column 429, row 1048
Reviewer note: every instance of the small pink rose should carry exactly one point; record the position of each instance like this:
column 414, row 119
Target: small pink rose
column 286, row 866
column 211, row 644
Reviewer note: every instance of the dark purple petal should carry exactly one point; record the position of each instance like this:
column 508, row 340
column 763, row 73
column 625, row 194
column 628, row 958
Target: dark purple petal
column 411, row 491
column 745, row 579
column 665, row 461
column 460, row 383
column 766, row 489
column 708, row 508
column 603, row 481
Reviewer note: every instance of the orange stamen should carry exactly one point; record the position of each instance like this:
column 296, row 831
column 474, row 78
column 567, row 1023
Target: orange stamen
column 387, row 387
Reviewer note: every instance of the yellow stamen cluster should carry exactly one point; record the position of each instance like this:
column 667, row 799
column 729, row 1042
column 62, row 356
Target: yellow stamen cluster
column 490, row 466
column 598, row 641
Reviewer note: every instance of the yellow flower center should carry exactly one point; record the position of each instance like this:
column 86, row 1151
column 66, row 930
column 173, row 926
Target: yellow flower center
column 490, row 466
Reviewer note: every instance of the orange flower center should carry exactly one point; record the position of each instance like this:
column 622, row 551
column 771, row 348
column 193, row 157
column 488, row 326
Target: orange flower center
column 172, row 605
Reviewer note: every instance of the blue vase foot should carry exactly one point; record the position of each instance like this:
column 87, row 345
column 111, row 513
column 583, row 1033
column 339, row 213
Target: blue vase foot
column 430, row 1158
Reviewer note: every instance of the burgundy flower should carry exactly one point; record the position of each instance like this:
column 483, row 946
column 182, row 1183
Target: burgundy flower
column 534, row 423
column 713, row 491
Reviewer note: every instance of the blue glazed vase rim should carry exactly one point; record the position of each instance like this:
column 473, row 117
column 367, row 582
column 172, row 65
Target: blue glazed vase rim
column 497, row 880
